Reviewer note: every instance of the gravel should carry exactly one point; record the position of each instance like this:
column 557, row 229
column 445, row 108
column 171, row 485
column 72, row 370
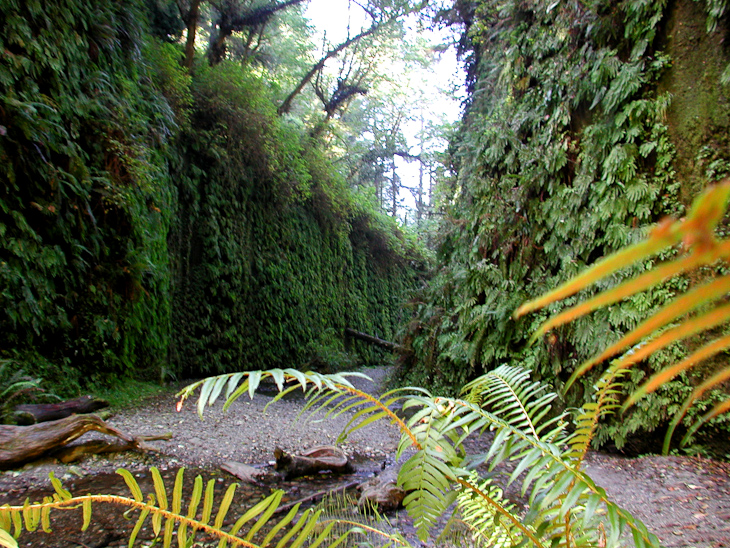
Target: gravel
column 245, row 433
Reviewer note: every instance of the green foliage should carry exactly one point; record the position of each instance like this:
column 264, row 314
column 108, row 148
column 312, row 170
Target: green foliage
column 700, row 309
column 82, row 207
column 272, row 250
column 17, row 387
column 566, row 508
column 168, row 517
column 155, row 222
column 566, row 154
column 329, row 355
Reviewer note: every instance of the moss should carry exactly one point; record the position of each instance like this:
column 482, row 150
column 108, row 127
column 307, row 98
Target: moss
column 699, row 115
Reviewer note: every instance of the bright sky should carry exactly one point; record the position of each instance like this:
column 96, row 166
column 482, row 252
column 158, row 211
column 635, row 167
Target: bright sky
column 331, row 16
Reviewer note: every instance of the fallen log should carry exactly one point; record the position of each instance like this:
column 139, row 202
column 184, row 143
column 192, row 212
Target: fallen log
column 72, row 453
column 244, row 472
column 383, row 490
column 317, row 459
column 21, row 444
column 33, row 413
column 393, row 347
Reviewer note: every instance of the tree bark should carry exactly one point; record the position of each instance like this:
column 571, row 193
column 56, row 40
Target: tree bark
column 393, row 347
column 72, row 453
column 190, row 18
column 42, row 412
column 21, row 444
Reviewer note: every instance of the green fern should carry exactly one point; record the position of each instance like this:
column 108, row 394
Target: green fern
column 566, row 508
column 168, row 516
column 697, row 311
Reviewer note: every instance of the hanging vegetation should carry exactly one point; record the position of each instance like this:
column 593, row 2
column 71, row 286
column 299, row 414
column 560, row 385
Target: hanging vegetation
column 158, row 221
column 577, row 139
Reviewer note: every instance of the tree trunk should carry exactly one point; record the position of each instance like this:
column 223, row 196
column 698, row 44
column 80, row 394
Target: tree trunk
column 191, row 23
column 34, row 413
column 393, row 347
column 73, row 453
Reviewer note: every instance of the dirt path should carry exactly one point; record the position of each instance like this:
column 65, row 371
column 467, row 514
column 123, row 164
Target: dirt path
column 685, row 501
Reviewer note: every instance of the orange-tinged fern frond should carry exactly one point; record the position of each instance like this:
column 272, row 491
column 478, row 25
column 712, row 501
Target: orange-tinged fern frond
column 693, row 326
column 630, row 287
column 676, row 309
column 668, row 373
column 701, row 248
column 696, row 232
column 661, row 237
column 706, row 212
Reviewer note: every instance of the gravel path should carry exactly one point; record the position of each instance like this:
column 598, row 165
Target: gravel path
column 247, row 433
column 685, row 501
column 244, row 433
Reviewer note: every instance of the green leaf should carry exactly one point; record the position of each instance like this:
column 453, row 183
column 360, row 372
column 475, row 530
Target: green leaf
column 6, row 540
column 225, row 505
column 131, row 484
column 86, row 505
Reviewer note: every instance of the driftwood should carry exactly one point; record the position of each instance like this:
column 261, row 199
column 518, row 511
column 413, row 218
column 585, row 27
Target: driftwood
column 393, row 347
column 21, row 444
column 383, row 490
column 72, row 453
column 43, row 412
column 315, row 460
column 244, row 472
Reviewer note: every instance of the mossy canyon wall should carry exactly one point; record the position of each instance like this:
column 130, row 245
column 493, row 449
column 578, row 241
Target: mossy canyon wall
column 587, row 123
column 156, row 222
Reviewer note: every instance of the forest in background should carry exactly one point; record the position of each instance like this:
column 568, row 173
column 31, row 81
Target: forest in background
column 167, row 213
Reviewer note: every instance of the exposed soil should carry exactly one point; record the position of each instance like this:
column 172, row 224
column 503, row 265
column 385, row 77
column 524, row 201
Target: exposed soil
column 684, row 501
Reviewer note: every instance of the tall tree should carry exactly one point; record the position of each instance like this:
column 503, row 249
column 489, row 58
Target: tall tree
column 380, row 15
column 236, row 16
column 190, row 14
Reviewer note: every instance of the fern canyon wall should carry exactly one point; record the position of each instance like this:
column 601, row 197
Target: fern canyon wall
column 156, row 221
column 587, row 122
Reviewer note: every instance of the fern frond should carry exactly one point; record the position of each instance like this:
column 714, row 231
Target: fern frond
column 696, row 230
column 668, row 373
column 697, row 233
column 488, row 516
column 507, row 390
column 717, row 379
column 719, row 409
column 427, row 476
column 607, row 390
column 296, row 529
column 6, row 540
column 332, row 392
column 366, row 524
column 557, row 489
column 687, row 328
